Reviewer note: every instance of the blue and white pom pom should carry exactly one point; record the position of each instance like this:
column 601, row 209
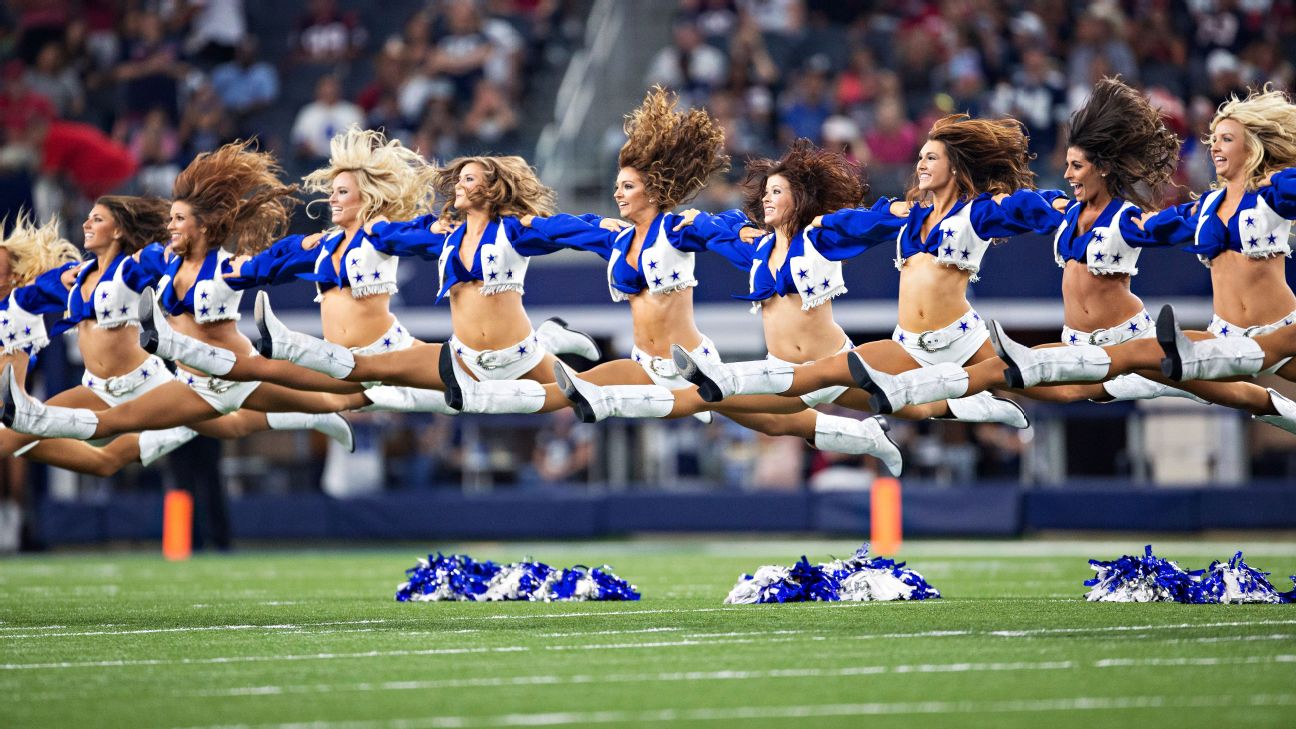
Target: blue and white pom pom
column 1238, row 582
column 459, row 577
column 1151, row 579
column 1140, row 579
column 861, row 578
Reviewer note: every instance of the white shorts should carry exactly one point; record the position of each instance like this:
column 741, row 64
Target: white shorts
column 225, row 396
column 510, row 363
column 123, row 388
column 1139, row 326
column 822, row 395
column 1221, row 328
column 395, row 339
column 956, row 342
column 662, row 371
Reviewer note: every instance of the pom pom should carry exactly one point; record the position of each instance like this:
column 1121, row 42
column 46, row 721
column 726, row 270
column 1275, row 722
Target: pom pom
column 1237, row 582
column 460, row 577
column 1140, row 579
column 859, row 578
column 1152, row 579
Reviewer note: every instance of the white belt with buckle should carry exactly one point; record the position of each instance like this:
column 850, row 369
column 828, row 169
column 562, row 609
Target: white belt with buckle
column 933, row 340
column 120, row 385
column 1101, row 337
column 494, row 358
column 663, row 366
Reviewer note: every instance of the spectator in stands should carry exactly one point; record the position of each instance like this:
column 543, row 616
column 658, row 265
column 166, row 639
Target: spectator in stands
column 320, row 120
column 806, row 106
column 1100, row 32
column 216, row 29
column 156, row 145
column 389, row 75
column 246, row 84
column 1036, row 95
column 490, row 123
column 150, row 69
column 564, row 450
column 688, row 66
column 206, row 124
column 326, row 35
column 52, row 78
column 463, row 50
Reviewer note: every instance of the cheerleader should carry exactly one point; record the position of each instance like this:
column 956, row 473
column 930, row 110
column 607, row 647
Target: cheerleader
column 230, row 195
column 482, row 252
column 972, row 186
column 1241, row 231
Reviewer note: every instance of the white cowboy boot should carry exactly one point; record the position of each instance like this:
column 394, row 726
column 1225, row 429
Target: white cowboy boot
column 717, row 381
column 1286, row 417
column 593, row 403
column 24, row 414
column 331, row 424
column 313, row 353
column 153, row 444
column 912, row 387
column 858, row 437
column 389, row 398
column 467, row 395
column 558, row 338
column 1204, row 359
column 1028, row 367
column 1137, row 387
column 157, row 337
column 986, row 408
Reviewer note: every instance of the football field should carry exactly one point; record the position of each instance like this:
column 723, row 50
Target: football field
column 315, row 639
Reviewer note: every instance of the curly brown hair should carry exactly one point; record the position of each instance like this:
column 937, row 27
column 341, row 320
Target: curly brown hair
column 510, row 188
column 675, row 152
column 986, row 155
column 237, row 196
column 821, row 182
column 1125, row 138
column 141, row 220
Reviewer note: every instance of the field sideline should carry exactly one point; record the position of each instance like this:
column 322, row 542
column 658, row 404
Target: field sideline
column 315, row 639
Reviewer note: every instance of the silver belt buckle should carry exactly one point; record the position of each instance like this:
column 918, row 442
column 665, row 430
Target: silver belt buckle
column 489, row 359
column 118, row 386
column 663, row 367
column 933, row 341
column 217, row 385
column 1100, row 337
column 1257, row 331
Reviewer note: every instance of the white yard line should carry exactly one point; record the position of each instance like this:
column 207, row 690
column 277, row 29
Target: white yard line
column 749, row 675
column 191, row 629
column 1078, row 703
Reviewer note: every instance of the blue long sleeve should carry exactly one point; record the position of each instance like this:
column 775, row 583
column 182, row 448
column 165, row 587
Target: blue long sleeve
column 45, row 295
column 848, row 233
column 409, row 238
column 719, row 234
column 1280, row 194
column 570, row 231
column 538, row 240
column 281, row 263
column 1169, row 227
column 1024, row 211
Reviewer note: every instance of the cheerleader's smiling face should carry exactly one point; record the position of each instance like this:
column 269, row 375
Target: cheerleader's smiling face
column 934, row 170
column 632, row 197
column 100, row 230
column 345, row 202
column 471, row 176
column 777, row 202
column 1087, row 182
column 183, row 227
column 1228, row 148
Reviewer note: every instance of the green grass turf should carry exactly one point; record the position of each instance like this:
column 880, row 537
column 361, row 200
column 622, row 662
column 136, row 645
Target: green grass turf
column 274, row 638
